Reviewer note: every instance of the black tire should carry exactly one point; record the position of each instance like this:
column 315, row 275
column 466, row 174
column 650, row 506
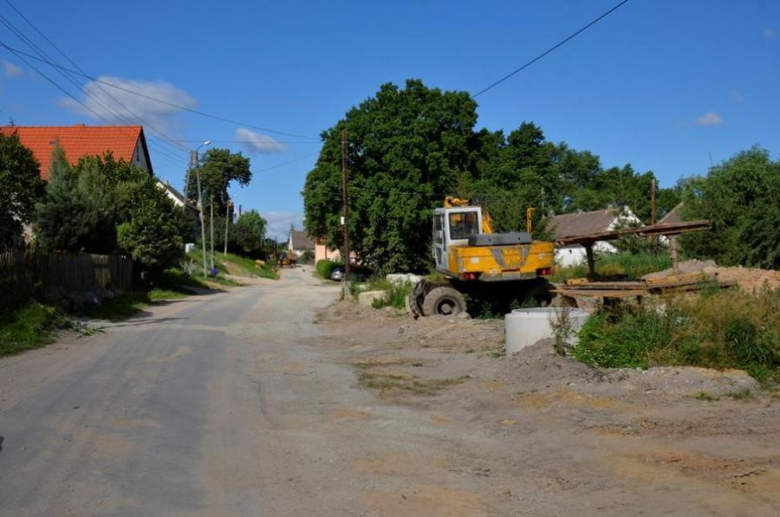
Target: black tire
column 444, row 301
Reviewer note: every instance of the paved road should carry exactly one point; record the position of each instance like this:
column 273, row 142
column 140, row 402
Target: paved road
column 169, row 414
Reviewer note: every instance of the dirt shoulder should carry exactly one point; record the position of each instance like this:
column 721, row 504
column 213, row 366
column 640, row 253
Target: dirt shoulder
column 540, row 434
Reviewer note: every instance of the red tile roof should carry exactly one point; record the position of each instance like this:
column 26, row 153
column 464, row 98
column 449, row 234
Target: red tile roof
column 78, row 141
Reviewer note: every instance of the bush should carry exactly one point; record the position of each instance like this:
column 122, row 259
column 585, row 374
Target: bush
column 714, row 329
column 325, row 268
column 396, row 293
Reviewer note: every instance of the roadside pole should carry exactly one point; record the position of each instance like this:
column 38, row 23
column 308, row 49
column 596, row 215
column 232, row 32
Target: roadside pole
column 194, row 159
column 227, row 220
column 211, row 227
column 345, row 217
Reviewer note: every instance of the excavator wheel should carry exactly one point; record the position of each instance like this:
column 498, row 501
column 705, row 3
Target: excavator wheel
column 414, row 302
column 443, row 301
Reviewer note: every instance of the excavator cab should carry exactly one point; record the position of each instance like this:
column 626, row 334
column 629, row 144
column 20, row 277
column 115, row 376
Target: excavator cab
column 453, row 227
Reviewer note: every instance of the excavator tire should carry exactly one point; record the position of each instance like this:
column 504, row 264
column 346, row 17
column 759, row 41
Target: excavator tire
column 414, row 302
column 443, row 301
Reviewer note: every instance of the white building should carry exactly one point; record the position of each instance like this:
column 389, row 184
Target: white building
column 586, row 223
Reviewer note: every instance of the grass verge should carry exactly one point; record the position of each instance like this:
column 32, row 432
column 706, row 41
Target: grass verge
column 713, row 329
column 29, row 327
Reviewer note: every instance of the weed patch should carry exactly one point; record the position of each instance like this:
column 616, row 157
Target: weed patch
column 713, row 329
column 29, row 327
column 390, row 382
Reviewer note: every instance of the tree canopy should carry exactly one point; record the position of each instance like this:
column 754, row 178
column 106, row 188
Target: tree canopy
column 410, row 147
column 20, row 188
column 218, row 168
column 740, row 198
column 249, row 232
column 107, row 206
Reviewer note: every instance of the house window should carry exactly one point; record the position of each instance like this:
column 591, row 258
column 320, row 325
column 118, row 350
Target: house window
column 463, row 225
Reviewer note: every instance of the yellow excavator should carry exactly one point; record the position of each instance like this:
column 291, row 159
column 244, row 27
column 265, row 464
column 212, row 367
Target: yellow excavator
column 476, row 262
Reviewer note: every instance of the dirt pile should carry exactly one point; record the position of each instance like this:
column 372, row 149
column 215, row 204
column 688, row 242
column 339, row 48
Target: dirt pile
column 749, row 279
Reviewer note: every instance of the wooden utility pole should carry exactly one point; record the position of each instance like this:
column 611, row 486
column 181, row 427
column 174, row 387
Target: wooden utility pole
column 194, row 160
column 652, row 201
column 227, row 220
column 211, row 226
column 345, row 216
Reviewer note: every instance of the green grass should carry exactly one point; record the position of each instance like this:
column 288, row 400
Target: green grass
column 714, row 329
column 396, row 293
column 29, row 327
column 622, row 265
column 249, row 266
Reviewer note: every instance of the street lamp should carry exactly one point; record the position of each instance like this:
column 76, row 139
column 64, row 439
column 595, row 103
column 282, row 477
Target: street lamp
column 196, row 165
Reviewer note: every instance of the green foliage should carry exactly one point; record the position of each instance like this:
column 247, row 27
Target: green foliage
column 28, row 327
column 396, row 293
column 20, row 187
column 325, row 268
column 623, row 265
column 249, row 232
column 108, row 206
column 218, row 169
column 409, row 148
column 739, row 197
column 718, row 329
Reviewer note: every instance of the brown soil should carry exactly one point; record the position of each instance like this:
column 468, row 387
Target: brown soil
column 541, row 434
column 749, row 279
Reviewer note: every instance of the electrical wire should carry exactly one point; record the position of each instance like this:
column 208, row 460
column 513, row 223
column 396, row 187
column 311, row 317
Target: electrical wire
column 102, row 102
column 155, row 99
column 551, row 49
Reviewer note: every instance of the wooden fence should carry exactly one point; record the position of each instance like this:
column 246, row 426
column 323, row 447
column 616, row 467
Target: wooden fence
column 22, row 274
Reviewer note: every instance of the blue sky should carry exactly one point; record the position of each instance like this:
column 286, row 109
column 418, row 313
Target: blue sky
column 665, row 85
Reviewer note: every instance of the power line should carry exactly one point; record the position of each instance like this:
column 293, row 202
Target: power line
column 551, row 49
column 200, row 140
column 104, row 103
column 155, row 99
column 19, row 34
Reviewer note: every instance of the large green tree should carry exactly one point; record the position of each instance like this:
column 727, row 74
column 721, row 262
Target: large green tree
column 249, row 232
column 740, row 198
column 407, row 148
column 20, row 188
column 218, row 168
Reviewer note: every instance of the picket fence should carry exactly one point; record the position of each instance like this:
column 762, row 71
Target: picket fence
column 24, row 274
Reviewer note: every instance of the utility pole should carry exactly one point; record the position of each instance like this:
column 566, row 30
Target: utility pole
column 227, row 220
column 194, row 160
column 345, row 209
column 211, row 226
column 652, row 201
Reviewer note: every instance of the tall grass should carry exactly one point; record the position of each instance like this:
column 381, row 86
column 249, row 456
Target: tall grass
column 622, row 265
column 715, row 329
column 396, row 293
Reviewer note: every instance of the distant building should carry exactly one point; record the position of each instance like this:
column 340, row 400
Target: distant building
column 126, row 143
column 322, row 252
column 585, row 223
column 299, row 241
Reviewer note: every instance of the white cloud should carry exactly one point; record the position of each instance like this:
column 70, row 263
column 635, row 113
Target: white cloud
column 258, row 142
column 12, row 71
column 116, row 105
column 709, row 119
column 768, row 33
column 279, row 223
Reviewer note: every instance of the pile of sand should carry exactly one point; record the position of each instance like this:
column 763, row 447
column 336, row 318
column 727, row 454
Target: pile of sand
column 748, row 279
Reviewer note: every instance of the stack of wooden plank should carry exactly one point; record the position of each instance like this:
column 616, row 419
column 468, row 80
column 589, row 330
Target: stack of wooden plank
column 584, row 288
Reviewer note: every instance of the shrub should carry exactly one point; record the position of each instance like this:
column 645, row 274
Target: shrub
column 325, row 268
column 396, row 293
column 716, row 329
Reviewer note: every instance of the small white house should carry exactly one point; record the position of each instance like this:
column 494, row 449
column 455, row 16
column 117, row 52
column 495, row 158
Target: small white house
column 585, row 223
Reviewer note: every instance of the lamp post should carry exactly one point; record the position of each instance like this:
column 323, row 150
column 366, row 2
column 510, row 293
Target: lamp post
column 196, row 165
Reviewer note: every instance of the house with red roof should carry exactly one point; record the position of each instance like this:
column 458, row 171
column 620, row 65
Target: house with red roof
column 126, row 143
